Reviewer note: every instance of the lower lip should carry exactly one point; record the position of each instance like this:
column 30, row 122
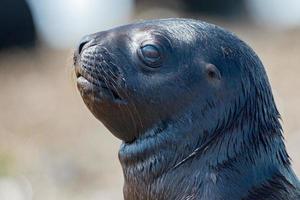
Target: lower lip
column 83, row 80
column 87, row 88
column 83, row 83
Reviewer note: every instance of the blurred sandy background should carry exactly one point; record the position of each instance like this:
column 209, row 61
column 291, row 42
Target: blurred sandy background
column 52, row 148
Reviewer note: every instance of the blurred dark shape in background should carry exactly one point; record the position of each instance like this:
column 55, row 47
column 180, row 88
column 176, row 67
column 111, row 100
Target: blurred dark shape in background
column 216, row 7
column 16, row 24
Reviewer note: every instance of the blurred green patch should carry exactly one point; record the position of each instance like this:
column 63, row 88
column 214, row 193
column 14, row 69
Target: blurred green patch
column 6, row 164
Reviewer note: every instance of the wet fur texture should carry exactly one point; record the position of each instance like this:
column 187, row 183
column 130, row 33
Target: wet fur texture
column 202, row 126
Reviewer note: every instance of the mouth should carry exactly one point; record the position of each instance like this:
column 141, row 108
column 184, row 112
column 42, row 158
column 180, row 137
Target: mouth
column 88, row 84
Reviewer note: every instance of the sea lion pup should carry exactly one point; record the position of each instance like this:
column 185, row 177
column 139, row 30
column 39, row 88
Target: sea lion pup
column 194, row 109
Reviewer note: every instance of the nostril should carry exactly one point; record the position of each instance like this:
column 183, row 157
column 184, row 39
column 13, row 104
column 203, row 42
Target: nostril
column 82, row 43
column 80, row 47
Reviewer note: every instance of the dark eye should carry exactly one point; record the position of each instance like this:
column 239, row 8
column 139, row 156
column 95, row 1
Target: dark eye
column 150, row 52
column 151, row 55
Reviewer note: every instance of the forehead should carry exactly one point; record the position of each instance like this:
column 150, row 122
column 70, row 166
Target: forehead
column 174, row 30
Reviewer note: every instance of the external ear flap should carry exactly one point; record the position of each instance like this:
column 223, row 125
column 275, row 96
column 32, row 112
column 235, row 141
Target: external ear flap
column 212, row 72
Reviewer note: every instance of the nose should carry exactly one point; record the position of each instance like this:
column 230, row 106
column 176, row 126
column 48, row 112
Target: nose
column 85, row 40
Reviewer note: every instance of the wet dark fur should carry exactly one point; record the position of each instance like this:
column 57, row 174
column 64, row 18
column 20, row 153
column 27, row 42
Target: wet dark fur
column 192, row 136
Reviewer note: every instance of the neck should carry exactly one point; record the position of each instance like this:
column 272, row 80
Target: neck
column 201, row 166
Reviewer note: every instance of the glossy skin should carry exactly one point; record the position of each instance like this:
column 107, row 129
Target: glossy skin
column 194, row 108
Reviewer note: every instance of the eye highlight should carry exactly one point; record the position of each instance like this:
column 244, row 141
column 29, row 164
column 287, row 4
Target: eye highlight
column 151, row 55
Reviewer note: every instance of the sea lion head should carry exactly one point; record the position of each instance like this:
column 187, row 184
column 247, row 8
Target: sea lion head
column 137, row 76
column 189, row 99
